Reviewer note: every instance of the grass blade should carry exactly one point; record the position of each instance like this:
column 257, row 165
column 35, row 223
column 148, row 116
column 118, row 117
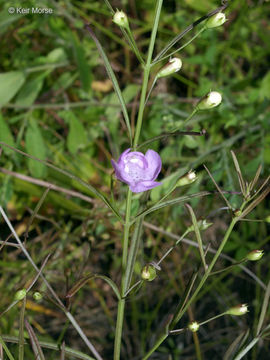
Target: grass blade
column 36, row 210
column 84, row 280
column 52, row 346
column 236, row 344
column 239, row 175
column 218, row 188
column 256, row 177
column 21, row 330
column 264, row 309
column 34, row 342
column 255, row 203
column 9, row 355
column 198, row 235
column 113, row 79
column 178, row 200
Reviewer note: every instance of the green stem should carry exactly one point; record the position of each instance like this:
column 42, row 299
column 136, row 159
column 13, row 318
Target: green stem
column 134, row 45
column 121, row 303
column 182, row 47
column 146, row 74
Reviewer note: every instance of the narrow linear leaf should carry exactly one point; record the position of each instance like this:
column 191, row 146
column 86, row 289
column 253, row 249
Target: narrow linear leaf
column 70, row 175
column 178, row 200
column 256, row 177
column 34, row 342
column 236, row 345
column 239, row 174
column 198, row 235
column 85, row 280
column 36, row 210
column 113, row 79
column 218, row 188
column 21, row 330
column 53, row 346
column 264, row 309
column 255, row 202
column 9, row 355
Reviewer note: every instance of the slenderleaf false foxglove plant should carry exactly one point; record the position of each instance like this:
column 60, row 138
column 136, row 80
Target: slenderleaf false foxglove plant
column 137, row 170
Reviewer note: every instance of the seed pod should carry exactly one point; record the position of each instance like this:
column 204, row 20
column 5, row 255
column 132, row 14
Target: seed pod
column 148, row 273
column 121, row 19
column 238, row 310
column 170, row 68
column 254, row 255
column 209, row 101
column 215, row 20
column 37, row 296
column 20, row 294
column 187, row 179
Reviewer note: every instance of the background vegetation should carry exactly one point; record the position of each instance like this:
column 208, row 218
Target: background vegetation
column 58, row 104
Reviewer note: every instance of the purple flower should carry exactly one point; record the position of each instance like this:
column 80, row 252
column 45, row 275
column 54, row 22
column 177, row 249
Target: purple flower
column 137, row 170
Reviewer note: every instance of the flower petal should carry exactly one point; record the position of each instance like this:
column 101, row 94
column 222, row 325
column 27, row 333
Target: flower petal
column 154, row 164
column 120, row 173
column 143, row 186
column 122, row 156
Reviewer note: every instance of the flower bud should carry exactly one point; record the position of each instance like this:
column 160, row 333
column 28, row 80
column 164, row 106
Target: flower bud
column 187, row 179
column 215, row 20
column 120, row 18
column 37, row 296
column 203, row 224
column 194, row 326
column 148, row 273
column 238, row 310
column 171, row 67
column 20, row 294
column 209, row 101
column 254, row 255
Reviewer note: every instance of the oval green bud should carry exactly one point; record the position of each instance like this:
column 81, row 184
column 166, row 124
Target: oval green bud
column 148, row 273
column 170, row 68
column 215, row 20
column 37, row 296
column 20, row 294
column 187, row 179
column 254, row 255
column 238, row 310
column 121, row 19
column 194, row 326
column 209, row 101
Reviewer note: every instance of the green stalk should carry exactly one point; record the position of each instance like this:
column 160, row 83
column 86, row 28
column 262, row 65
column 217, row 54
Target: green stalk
column 121, row 303
column 147, row 73
column 178, row 316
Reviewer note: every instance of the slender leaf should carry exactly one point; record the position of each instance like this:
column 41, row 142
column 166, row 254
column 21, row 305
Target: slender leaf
column 236, row 345
column 53, row 346
column 85, row 280
column 113, row 79
column 239, row 174
column 264, row 309
column 178, row 200
column 198, row 234
column 218, row 188
column 21, row 330
column 9, row 355
column 34, row 342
